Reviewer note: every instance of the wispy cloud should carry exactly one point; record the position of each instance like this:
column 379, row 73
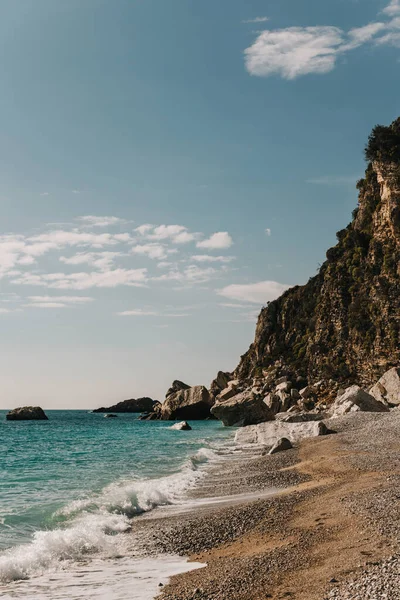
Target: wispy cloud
column 258, row 293
column 207, row 258
column 257, row 20
column 217, row 241
column 393, row 8
column 268, row 232
column 140, row 312
column 85, row 281
column 94, row 221
column 295, row 51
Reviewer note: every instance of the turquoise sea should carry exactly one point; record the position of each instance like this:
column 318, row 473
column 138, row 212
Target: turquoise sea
column 69, row 486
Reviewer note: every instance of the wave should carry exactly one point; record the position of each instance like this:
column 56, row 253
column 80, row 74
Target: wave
column 91, row 525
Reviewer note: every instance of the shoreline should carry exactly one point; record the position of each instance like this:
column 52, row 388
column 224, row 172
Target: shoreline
column 332, row 520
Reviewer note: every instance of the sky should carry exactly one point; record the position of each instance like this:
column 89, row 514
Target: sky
column 166, row 169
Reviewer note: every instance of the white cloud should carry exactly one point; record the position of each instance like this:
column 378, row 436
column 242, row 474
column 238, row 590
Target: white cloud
column 296, row 51
column 259, row 293
column 60, row 238
column 84, row 281
column 45, row 305
column 4, row 311
column 257, row 20
column 93, row 221
column 140, row 312
column 268, row 232
column 191, row 275
column 155, row 251
column 217, row 241
column 393, row 8
column 177, row 234
column 99, row 260
column 61, row 299
column 206, row 258
column 143, row 229
column 137, row 312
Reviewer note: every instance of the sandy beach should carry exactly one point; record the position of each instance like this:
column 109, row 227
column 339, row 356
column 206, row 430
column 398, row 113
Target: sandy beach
column 316, row 522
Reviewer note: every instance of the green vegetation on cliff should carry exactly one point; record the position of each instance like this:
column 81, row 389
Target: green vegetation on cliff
column 345, row 322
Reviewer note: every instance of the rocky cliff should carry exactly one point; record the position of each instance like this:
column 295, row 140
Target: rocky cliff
column 344, row 323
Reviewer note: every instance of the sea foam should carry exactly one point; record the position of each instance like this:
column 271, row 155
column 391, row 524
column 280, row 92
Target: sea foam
column 90, row 526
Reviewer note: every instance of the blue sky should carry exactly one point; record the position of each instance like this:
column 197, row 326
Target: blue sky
column 166, row 168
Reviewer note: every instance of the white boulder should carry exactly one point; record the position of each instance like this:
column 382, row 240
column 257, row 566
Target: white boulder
column 387, row 389
column 355, row 399
column 268, row 434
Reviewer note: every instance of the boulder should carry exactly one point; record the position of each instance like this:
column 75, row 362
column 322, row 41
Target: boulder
column 220, row 383
column 299, row 417
column 273, row 402
column 307, row 392
column 281, row 445
column 228, row 392
column 295, row 394
column 387, row 390
column 137, row 405
column 177, row 386
column 285, row 386
column 110, row 416
column 355, row 399
column 189, row 404
column 243, row 409
column 27, row 413
column 183, row 426
column 267, row 434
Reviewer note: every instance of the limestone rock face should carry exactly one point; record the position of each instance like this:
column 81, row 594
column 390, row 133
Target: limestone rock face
column 187, row 404
column 268, row 434
column 344, row 323
column 241, row 410
column 220, row 383
column 137, row 405
column 387, row 389
column 27, row 413
column 183, row 426
column 177, row 386
column 355, row 399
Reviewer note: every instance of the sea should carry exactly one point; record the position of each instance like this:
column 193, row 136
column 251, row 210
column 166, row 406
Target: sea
column 70, row 488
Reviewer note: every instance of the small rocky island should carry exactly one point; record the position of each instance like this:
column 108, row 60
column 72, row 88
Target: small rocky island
column 27, row 413
column 138, row 405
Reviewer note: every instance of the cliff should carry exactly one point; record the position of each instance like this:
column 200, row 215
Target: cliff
column 344, row 323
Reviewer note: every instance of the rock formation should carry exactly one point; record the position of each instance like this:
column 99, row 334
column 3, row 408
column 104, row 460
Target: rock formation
column 242, row 409
column 27, row 413
column 344, row 323
column 183, row 426
column 138, row 405
column 188, row 404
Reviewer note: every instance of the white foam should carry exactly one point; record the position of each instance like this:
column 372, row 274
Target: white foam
column 103, row 580
column 91, row 525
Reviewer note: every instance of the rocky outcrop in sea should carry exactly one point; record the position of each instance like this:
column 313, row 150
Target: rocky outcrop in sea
column 27, row 413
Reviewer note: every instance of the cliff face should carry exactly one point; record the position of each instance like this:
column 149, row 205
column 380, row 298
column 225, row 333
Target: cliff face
column 344, row 323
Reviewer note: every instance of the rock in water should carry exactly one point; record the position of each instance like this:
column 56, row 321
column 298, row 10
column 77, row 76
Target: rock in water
column 110, row 416
column 188, row 404
column 241, row 410
column 183, row 426
column 137, row 405
column 280, row 446
column 387, row 390
column 27, row 413
column 355, row 399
